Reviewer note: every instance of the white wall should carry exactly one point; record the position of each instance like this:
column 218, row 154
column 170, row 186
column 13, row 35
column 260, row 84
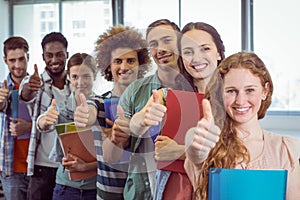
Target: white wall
column 3, row 36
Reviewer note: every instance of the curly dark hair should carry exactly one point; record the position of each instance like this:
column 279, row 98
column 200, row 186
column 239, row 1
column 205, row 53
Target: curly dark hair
column 121, row 37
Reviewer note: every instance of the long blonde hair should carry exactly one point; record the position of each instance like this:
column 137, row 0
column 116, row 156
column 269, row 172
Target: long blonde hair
column 230, row 150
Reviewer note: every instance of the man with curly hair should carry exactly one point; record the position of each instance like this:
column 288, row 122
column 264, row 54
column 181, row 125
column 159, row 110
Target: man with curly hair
column 122, row 57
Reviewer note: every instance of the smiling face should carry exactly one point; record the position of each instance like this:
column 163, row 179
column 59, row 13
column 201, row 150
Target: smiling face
column 162, row 41
column 55, row 56
column 124, row 65
column 16, row 61
column 82, row 78
column 243, row 95
column 200, row 54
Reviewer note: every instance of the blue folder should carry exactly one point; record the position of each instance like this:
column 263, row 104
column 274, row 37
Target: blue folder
column 110, row 109
column 240, row 184
column 19, row 110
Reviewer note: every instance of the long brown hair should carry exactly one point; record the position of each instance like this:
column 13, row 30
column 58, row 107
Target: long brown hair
column 230, row 150
column 215, row 36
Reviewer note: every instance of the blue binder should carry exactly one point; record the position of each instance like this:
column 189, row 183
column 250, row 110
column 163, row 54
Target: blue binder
column 237, row 184
column 110, row 109
column 19, row 110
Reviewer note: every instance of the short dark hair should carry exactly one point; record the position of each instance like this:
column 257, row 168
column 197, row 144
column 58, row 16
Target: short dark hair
column 13, row 43
column 162, row 22
column 54, row 37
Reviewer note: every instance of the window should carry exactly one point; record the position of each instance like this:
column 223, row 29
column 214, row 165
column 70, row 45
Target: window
column 43, row 26
column 51, row 14
column 106, row 12
column 106, row 22
column 277, row 41
column 78, row 24
column 140, row 13
column 81, row 21
column 51, row 25
column 225, row 16
column 40, row 24
column 43, row 14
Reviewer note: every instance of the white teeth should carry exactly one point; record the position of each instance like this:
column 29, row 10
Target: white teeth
column 200, row 66
column 242, row 109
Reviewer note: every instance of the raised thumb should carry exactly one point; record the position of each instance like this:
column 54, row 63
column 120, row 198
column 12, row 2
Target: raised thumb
column 120, row 112
column 36, row 71
column 207, row 113
column 5, row 84
column 155, row 96
column 82, row 99
column 53, row 103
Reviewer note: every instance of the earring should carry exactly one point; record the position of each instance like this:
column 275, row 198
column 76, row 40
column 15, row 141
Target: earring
column 264, row 97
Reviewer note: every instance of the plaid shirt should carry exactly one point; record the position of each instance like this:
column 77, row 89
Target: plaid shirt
column 7, row 141
column 40, row 104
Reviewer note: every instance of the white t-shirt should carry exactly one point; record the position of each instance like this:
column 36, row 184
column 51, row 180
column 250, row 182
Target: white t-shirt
column 47, row 139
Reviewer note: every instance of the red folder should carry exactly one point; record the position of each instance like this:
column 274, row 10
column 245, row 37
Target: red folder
column 184, row 110
column 80, row 144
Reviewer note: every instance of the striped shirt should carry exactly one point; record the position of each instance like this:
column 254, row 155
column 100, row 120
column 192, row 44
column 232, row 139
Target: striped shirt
column 111, row 177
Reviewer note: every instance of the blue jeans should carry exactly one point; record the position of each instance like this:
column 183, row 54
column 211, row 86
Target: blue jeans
column 62, row 192
column 162, row 177
column 15, row 186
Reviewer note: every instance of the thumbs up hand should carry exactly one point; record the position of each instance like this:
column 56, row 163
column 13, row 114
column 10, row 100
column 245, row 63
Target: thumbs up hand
column 4, row 91
column 151, row 115
column 121, row 130
column 82, row 113
column 154, row 110
column 34, row 80
column 50, row 117
column 202, row 138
